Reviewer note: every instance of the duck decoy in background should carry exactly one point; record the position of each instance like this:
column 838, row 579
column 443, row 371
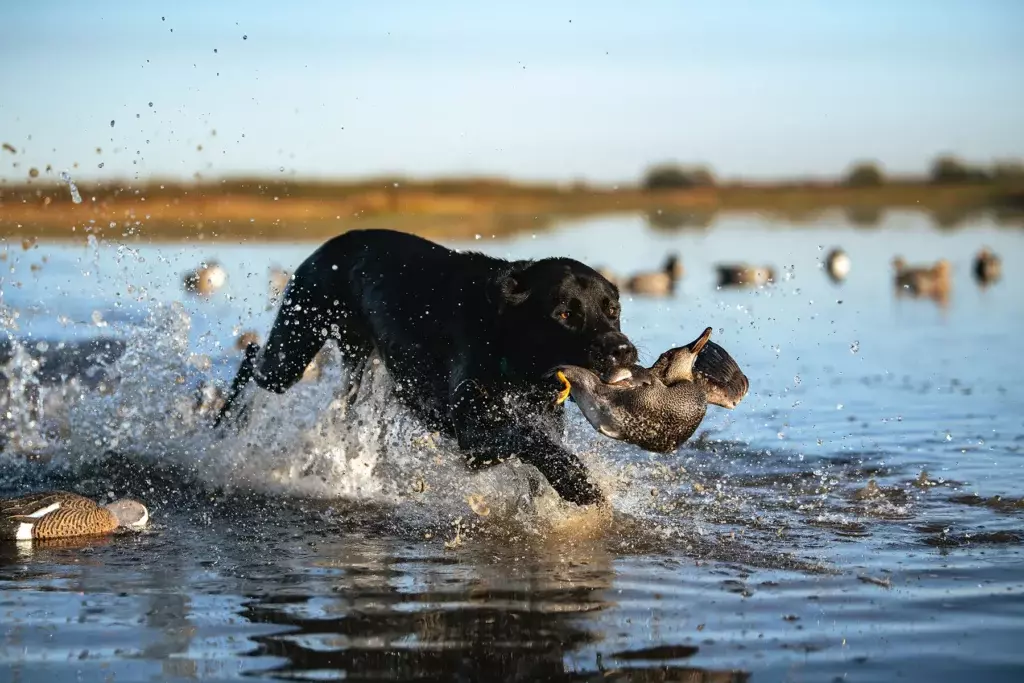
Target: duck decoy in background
column 206, row 279
column 59, row 514
column 609, row 275
column 660, row 407
column 744, row 275
column 278, row 281
column 931, row 282
column 988, row 268
column 247, row 337
column 657, row 283
column 837, row 263
column 209, row 399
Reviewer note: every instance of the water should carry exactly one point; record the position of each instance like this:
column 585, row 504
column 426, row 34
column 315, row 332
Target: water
column 858, row 517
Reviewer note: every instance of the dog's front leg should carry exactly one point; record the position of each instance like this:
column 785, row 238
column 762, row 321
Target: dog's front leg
column 488, row 434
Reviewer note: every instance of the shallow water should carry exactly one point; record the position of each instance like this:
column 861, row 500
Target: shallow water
column 857, row 517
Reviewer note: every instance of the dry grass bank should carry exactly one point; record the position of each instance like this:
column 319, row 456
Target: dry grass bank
column 450, row 209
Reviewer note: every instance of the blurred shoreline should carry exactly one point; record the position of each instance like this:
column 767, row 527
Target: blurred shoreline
column 276, row 210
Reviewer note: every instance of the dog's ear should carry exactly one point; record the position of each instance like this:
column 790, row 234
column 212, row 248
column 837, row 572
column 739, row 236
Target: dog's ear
column 508, row 290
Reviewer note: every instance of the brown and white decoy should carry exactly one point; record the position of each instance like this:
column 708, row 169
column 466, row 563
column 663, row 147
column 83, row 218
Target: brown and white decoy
column 609, row 275
column 657, row 283
column 209, row 277
column 931, row 282
column 837, row 263
column 988, row 268
column 744, row 275
column 60, row 514
column 247, row 337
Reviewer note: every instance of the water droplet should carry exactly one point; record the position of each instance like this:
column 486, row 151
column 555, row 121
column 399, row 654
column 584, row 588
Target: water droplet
column 855, row 346
column 839, row 406
column 111, row 123
column 477, row 236
column 949, row 437
column 75, row 196
column 796, row 380
column 245, row 37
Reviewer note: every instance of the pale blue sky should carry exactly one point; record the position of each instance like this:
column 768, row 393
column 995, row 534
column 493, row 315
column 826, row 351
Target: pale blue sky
column 535, row 90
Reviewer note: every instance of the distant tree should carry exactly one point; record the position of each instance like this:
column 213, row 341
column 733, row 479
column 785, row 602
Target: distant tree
column 865, row 174
column 675, row 177
column 947, row 169
column 1009, row 170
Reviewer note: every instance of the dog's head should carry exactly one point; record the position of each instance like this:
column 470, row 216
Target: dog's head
column 560, row 312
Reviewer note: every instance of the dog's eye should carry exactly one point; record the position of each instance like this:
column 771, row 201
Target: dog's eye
column 564, row 315
column 613, row 311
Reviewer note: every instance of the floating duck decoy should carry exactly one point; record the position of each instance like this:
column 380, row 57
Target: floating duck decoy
column 209, row 399
column 609, row 275
column 59, row 514
column 660, row 407
column 988, row 268
column 837, row 263
column 658, row 283
column 742, row 274
column 209, row 277
column 923, row 281
column 278, row 280
column 246, row 338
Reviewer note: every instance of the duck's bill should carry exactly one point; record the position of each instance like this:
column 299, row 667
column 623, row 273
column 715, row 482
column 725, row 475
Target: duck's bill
column 719, row 374
column 592, row 394
column 571, row 378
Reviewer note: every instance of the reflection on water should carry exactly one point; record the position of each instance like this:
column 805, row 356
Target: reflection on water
column 858, row 516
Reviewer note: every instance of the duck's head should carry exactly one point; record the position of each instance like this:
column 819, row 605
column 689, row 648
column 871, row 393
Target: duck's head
column 899, row 264
column 131, row 514
column 656, row 409
column 676, row 365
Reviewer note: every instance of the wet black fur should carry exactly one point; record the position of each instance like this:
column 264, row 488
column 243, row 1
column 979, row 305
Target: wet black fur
column 460, row 333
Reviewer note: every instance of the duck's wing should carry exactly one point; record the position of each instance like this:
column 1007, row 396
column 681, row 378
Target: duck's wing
column 32, row 503
column 66, row 522
column 49, row 510
column 720, row 376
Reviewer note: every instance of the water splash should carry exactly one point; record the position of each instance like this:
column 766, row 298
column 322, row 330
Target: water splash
column 75, row 196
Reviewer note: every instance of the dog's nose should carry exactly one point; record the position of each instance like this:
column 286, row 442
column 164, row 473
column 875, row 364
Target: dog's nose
column 623, row 354
column 619, row 351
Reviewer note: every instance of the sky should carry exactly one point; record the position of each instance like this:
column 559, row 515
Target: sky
column 533, row 90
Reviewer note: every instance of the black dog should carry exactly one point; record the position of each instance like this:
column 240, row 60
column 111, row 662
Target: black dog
column 469, row 340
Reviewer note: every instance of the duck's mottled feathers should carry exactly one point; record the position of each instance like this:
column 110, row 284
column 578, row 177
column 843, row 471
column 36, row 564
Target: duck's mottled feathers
column 54, row 514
